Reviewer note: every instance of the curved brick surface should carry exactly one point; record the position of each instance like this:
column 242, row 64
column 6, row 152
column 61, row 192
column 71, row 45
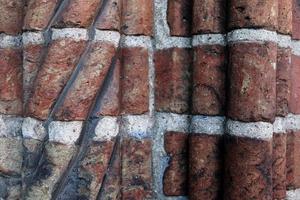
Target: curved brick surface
column 296, row 19
column 209, row 16
column 110, row 19
column 295, row 85
column 293, row 160
column 252, row 74
column 205, row 167
column 253, row 14
column 248, row 169
column 285, row 16
column 209, row 75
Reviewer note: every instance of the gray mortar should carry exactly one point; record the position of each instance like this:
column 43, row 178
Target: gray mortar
column 8, row 41
column 209, row 39
column 251, row 35
column 33, row 129
column 296, row 47
column 32, row 38
column 293, row 194
column 292, row 122
column 107, row 36
column 279, row 125
column 10, row 126
column 207, row 125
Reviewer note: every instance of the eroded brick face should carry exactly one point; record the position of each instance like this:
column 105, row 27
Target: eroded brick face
column 293, row 160
column 296, row 19
column 295, row 85
column 285, row 16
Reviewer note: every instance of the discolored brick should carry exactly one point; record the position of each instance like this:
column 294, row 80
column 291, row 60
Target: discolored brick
column 173, row 77
column 285, row 8
column 60, row 61
column 39, row 14
column 175, row 176
column 81, row 95
column 248, row 169
column 11, row 16
column 296, row 19
column 209, row 16
column 205, row 166
column 179, row 17
column 136, row 169
column 79, row 13
column 134, row 81
column 295, row 85
column 110, row 19
column 209, row 75
column 279, row 166
column 253, row 14
column 252, row 75
column 137, row 17
column 283, row 81
column 11, row 81
column 293, row 160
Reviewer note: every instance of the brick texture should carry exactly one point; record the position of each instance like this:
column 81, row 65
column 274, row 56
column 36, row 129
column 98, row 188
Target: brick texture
column 296, row 20
column 293, row 160
column 295, row 85
column 285, row 16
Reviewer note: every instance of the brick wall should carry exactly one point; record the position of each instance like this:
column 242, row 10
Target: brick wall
column 149, row 99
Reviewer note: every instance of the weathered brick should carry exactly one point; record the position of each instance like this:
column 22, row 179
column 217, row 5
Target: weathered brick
column 62, row 57
column 79, row 13
column 205, row 166
column 134, row 81
column 137, row 17
column 293, row 160
column 283, row 81
column 136, row 169
column 252, row 75
column 32, row 58
column 110, row 19
column 248, row 169
column 253, row 14
column 209, row 16
column 11, row 16
column 279, row 166
column 173, row 80
column 209, row 75
column 110, row 104
column 296, row 20
column 295, row 85
column 179, row 17
column 175, row 177
column 285, row 8
column 11, row 81
column 39, row 14
column 81, row 95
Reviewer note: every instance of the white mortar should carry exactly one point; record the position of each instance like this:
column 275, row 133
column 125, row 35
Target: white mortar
column 293, row 194
column 77, row 34
column 137, row 41
column 137, row 126
column 292, row 122
column 209, row 39
column 279, row 125
column 251, row 35
column 8, row 41
column 106, row 129
column 10, row 126
column 32, row 38
column 108, row 36
column 296, row 47
column 33, row 129
column 207, row 125
column 258, row 130
column 65, row 132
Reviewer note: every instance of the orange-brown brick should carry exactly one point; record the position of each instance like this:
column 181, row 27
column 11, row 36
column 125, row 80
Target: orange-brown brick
column 295, row 85
column 62, row 57
column 137, row 17
column 209, row 74
column 173, row 79
column 285, row 16
column 296, row 19
column 134, row 81
column 252, row 75
column 209, row 16
column 11, row 81
column 179, row 17
column 11, row 16
column 253, row 14
column 293, row 160
column 110, row 19
column 39, row 14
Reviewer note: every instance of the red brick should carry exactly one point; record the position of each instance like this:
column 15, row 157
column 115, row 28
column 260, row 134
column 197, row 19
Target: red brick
column 79, row 13
column 209, row 16
column 175, row 177
column 32, row 56
column 295, row 85
column 95, row 165
column 209, row 75
column 248, row 169
column 137, row 17
column 11, row 16
column 285, row 8
column 279, row 166
column 61, row 59
column 81, row 95
column 173, row 80
column 252, row 75
column 39, row 13
column 205, row 167
column 134, row 81
column 136, row 169
column 283, row 81
column 296, row 19
column 179, row 17
column 253, row 14
column 111, row 17
column 293, row 160
column 11, row 81
column 110, row 104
